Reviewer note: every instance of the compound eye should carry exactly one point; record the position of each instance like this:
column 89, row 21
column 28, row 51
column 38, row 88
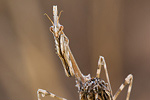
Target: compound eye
column 51, row 29
column 61, row 28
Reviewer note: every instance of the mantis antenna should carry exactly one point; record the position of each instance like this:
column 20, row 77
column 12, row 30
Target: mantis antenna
column 49, row 18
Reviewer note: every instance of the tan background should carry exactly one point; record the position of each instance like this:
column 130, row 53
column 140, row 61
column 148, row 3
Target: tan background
column 119, row 30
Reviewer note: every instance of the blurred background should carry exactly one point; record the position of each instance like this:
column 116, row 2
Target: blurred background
column 119, row 30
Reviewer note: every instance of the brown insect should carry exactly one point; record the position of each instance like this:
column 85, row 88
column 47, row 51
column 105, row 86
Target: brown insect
column 88, row 88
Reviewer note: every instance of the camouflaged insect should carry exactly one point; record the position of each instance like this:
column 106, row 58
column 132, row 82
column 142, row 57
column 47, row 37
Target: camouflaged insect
column 88, row 88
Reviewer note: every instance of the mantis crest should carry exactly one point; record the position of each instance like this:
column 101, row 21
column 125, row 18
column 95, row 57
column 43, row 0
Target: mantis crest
column 88, row 88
